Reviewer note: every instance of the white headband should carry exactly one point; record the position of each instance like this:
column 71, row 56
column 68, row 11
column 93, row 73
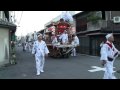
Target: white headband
column 39, row 35
column 108, row 35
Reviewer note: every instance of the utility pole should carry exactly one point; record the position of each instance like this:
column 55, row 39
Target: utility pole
column 14, row 17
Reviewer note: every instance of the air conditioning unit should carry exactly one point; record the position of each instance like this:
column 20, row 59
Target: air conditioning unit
column 116, row 19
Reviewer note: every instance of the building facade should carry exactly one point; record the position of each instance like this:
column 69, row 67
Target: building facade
column 7, row 30
column 92, row 26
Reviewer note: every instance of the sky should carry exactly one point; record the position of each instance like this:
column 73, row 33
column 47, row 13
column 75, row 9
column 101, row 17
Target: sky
column 30, row 21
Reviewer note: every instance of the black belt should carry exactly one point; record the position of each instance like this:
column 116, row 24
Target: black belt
column 110, row 59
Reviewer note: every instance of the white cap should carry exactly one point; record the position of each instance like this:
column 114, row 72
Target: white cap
column 39, row 35
column 108, row 35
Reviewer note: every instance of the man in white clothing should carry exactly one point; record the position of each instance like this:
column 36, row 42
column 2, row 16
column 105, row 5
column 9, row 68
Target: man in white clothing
column 35, row 35
column 108, row 56
column 75, row 42
column 40, row 50
column 64, row 37
column 54, row 39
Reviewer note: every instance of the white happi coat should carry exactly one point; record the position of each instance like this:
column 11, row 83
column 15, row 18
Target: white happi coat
column 75, row 42
column 54, row 40
column 35, row 36
column 107, row 51
column 40, row 49
column 64, row 38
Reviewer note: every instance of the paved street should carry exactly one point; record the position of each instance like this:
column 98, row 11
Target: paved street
column 72, row 68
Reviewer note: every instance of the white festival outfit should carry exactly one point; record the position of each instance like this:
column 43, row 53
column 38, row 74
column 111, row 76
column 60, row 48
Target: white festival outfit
column 109, row 53
column 40, row 49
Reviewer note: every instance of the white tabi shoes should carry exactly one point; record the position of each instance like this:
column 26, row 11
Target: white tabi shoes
column 42, row 71
column 38, row 73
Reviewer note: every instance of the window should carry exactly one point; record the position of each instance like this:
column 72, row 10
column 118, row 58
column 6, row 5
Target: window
column 0, row 14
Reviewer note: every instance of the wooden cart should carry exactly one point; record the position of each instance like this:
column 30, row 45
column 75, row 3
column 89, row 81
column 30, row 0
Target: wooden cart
column 60, row 51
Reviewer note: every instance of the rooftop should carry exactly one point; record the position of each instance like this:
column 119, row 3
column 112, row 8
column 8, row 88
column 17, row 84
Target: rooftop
column 7, row 24
column 80, row 13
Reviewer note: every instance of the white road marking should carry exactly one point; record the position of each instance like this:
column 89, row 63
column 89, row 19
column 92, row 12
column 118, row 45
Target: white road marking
column 96, row 68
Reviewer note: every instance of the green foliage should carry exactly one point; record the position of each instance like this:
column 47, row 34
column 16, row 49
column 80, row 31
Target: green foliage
column 93, row 18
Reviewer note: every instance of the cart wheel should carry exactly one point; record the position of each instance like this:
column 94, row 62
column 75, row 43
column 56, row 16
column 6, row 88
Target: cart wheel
column 66, row 56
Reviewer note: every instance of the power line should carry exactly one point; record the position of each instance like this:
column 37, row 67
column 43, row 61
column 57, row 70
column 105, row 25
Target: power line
column 20, row 18
column 16, row 16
